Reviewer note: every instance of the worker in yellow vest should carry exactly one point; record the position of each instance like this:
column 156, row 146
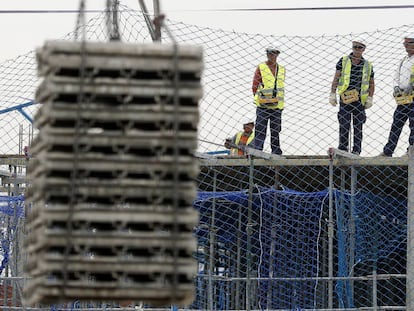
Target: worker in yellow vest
column 242, row 139
column 354, row 81
column 269, row 96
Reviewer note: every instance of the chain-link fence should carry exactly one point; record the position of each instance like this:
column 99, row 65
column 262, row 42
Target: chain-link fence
column 303, row 234
column 315, row 229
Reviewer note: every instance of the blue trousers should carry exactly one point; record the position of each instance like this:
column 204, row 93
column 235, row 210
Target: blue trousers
column 401, row 114
column 263, row 116
column 354, row 112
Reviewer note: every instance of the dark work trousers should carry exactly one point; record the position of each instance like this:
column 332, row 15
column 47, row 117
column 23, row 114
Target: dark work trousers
column 274, row 116
column 401, row 114
column 354, row 112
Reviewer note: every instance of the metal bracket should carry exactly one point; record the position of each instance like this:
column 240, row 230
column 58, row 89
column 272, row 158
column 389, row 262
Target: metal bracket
column 154, row 27
column 332, row 152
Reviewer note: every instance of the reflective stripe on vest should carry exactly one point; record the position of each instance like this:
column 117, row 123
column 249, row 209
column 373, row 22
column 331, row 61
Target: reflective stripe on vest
column 346, row 77
column 268, row 80
column 235, row 151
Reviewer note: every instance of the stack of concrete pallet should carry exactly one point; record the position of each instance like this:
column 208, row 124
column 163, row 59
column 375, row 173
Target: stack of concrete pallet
column 112, row 178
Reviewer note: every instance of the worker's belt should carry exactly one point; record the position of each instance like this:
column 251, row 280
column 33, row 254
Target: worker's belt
column 404, row 99
column 350, row 96
column 267, row 97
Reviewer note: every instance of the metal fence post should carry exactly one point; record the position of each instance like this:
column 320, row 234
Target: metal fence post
column 410, row 232
column 330, row 234
column 351, row 261
column 212, row 247
column 249, row 232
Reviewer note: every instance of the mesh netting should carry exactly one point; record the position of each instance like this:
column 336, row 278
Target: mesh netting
column 279, row 239
column 11, row 222
column 371, row 238
column 304, row 232
column 309, row 124
column 11, row 211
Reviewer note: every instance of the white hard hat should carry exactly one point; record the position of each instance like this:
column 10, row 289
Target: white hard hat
column 360, row 40
column 410, row 36
column 248, row 120
column 273, row 49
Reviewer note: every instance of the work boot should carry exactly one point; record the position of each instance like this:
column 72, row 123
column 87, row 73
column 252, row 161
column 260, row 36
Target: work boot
column 382, row 154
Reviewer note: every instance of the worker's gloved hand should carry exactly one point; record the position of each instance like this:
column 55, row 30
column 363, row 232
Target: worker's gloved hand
column 368, row 103
column 227, row 143
column 332, row 99
column 408, row 90
column 397, row 91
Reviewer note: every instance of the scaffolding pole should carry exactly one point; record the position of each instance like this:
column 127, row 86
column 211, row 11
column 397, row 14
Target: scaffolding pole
column 410, row 232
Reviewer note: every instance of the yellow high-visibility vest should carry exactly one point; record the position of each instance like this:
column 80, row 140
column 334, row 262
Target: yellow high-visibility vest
column 346, row 77
column 235, row 151
column 268, row 80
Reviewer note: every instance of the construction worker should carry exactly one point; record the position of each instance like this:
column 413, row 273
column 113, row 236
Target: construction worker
column 268, row 91
column 403, row 94
column 241, row 139
column 354, row 82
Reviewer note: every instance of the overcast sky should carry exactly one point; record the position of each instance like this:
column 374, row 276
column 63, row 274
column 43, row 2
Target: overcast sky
column 23, row 32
